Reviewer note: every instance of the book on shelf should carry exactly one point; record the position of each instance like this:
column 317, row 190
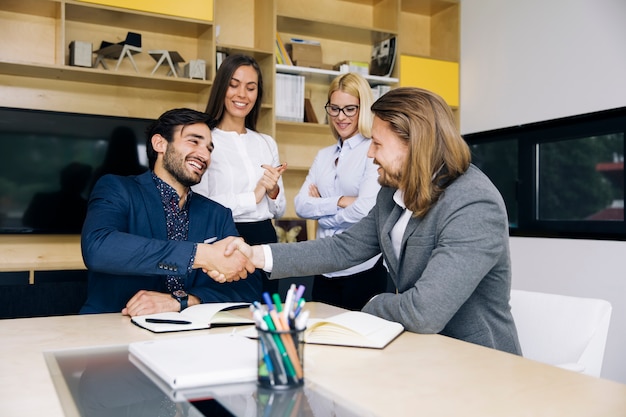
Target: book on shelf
column 199, row 316
column 284, row 56
column 279, row 57
column 352, row 328
column 195, row 361
column 220, row 56
column 290, row 97
column 309, row 112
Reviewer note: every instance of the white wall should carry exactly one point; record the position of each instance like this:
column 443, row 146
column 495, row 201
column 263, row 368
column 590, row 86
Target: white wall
column 533, row 60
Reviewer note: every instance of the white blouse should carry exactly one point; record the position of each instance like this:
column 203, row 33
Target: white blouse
column 234, row 172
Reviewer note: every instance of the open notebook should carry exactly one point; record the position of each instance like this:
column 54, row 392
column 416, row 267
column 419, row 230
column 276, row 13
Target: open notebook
column 352, row 328
column 196, row 361
column 200, row 316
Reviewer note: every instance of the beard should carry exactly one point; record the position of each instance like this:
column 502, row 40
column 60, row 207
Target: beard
column 390, row 178
column 174, row 163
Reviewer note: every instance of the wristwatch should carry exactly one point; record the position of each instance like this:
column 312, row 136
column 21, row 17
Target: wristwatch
column 182, row 297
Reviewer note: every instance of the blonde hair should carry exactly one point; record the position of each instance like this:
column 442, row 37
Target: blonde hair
column 437, row 154
column 355, row 85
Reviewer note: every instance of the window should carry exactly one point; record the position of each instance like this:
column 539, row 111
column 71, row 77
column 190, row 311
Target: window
column 560, row 178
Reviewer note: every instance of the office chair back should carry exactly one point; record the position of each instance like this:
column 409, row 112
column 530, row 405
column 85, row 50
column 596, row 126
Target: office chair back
column 568, row 332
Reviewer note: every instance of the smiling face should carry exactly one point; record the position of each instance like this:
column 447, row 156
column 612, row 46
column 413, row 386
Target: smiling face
column 390, row 153
column 346, row 126
column 182, row 162
column 242, row 92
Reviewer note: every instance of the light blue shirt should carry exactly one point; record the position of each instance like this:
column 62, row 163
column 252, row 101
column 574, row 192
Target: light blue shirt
column 354, row 174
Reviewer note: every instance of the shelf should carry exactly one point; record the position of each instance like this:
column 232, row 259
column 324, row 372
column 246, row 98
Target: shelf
column 89, row 13
column 256, row 53
column 108, row 77
column 427, row 7
column 347, row 33
column 315, row 128
column 322, row 75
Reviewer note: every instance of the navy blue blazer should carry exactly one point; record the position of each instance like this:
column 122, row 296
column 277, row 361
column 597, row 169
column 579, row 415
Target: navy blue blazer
column 125, row 247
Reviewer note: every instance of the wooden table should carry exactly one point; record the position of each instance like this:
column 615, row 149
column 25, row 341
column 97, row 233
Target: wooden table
column 428, row 375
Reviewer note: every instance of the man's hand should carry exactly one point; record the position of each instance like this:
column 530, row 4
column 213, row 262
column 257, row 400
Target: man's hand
column 255, row 255
column 223, row 267
column 150, row 302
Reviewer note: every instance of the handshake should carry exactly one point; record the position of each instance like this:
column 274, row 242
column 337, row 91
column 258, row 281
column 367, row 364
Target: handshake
column 229, row 259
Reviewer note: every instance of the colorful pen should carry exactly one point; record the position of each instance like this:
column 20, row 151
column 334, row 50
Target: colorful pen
column 277, row 303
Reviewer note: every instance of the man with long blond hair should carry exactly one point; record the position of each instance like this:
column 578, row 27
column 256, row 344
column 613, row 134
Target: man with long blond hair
column 439, row 222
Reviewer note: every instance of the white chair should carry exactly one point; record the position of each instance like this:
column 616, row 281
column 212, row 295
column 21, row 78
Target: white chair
column 568, row 332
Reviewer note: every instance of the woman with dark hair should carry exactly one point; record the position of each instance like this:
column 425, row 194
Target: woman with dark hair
column 245, row 172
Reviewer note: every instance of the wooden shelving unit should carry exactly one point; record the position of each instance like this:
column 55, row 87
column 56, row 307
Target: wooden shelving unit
column 34, row 56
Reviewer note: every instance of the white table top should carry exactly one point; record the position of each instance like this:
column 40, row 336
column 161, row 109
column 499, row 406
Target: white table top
column 427, row 375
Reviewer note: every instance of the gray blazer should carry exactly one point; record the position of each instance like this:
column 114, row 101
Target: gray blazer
column 453, row 275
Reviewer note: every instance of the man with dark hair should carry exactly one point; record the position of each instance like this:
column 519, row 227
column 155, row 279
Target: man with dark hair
column 147, row 238
column 439, row 222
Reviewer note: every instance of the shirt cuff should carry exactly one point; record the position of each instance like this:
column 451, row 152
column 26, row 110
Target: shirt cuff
column 269, row 259
column 193, row 258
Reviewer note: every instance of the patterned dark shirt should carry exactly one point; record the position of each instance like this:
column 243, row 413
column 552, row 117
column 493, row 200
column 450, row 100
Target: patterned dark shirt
column 177, row 223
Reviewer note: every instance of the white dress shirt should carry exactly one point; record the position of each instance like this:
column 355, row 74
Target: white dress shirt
column 234, row 172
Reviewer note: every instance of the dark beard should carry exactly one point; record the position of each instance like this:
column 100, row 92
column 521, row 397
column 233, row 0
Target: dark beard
column 174, row 164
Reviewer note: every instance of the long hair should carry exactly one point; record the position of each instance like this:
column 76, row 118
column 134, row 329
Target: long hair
column 167, row 123
column 437, row 154
column 355, row 85
column 215, row 107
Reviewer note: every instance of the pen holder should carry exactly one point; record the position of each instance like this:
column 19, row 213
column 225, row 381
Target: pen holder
column 280, row 358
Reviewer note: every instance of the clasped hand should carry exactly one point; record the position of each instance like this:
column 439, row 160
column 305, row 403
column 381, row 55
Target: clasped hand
column 220, row 265
column 237, row 247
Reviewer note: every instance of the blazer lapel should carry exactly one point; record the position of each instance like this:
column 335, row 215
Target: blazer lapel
column 152, row 201
column 386, row 243
column 197, row 222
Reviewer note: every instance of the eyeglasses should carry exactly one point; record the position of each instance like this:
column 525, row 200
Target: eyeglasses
column 349, row 111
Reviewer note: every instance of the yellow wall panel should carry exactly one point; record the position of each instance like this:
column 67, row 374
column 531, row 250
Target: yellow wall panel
column 441, row 77
column 193, row 9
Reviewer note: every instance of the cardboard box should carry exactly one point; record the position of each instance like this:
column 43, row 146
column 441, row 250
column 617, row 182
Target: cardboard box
column 301, row 52
column 80, row 54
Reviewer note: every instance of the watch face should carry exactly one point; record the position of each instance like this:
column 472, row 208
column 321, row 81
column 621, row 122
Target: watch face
column 179, row 294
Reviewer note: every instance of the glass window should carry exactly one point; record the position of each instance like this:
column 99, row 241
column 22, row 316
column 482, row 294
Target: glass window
column 581, row 179
column 498, row 160
column 561, row 177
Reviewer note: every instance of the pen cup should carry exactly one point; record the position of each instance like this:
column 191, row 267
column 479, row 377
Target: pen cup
column 280, row 358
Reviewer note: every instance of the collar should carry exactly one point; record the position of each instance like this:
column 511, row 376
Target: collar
column 352, row 141
column 168, row 193
column 398, row 198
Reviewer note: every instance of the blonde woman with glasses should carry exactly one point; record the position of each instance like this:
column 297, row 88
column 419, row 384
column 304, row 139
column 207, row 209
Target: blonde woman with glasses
column 341, row 188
